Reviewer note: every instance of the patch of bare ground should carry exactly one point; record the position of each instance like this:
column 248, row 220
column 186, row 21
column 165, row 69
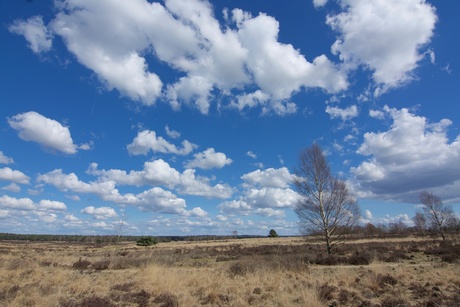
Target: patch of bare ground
column 250, row 272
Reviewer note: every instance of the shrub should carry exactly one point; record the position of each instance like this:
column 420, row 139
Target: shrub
column 325, row 292
column 393, row 302
column 147, row 241
column 327, row 260
column 81, row 264
column 101, row 265
column 92, row 301
column 360, row 259
column 167, row 299
column 386, row 280
column 237, row 269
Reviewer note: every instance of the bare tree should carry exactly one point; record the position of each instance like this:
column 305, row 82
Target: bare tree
column 437, row 214
column 326, row 204
column 420, row 222
column 454, row 223
column 120, row 225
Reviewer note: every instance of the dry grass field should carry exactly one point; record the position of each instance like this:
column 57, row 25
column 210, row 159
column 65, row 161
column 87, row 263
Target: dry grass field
column 241, row 272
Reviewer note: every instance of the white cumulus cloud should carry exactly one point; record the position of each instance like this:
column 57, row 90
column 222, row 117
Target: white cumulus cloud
column 385, row 36
column 209, row 159
column 114, row 38
column 5, row 159
column 9, row 174
column 12, row 187
column 147, row 140
column 17, row 203
column 412, row 155
column 270, row 177
column 47, row 132
column 344, row 114
column 101, row 213
column 52, row 205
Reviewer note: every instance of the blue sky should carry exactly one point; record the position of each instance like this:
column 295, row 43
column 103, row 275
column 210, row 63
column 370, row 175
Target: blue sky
column 186, row 117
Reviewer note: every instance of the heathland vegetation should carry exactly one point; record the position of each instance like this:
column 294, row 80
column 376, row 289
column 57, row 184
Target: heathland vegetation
column 384, row 267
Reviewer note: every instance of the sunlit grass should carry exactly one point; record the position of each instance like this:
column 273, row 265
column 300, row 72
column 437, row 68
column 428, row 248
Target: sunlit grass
column 250, row 272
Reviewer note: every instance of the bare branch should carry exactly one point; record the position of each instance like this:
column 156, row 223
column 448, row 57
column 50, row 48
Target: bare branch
column 326, row 204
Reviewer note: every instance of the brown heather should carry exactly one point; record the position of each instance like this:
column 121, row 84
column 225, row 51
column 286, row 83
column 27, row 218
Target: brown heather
column 245, row 272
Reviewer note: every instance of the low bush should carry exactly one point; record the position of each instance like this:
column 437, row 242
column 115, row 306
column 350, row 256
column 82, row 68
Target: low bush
column 101, row 265
column 81, row 264
column 147, row 241
column 325, row 292
column 167, row 299
column 239, row 268
column 92, row 301
column 360, row 259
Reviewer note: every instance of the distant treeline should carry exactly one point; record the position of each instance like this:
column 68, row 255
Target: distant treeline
column 105, row 239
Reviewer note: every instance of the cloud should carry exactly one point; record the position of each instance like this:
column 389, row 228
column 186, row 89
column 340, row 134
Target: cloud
column 383, row 36
column 343, row 114
column 154, row 199
column 108, row 37
column 386, row 220
column 412, row 155
column 4, row 159
column 161, row 201
column 378, row 114
column 159, row 172
column 256, row 99
column 265, row 192
column 269, row 212
column 7, row 173
column 251, row 154
column 197, row 212
column 101, row 213
column 38, row 36
column 70, row 182
column 235, row 207
column 192, row 185
column 17, row 203
column 278, row 69
column 278, row 178
column 147, row 140
column 52, row 205
column 172, row 133
column 271, row 198
column 319, row 3
column 114, row 39
column 47, row 132
column 209, row 159
column 13, row 187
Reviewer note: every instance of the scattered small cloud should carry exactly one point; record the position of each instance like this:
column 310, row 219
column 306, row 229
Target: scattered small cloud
column 39, row 37
column 101, row 213
column 172, row 133
column 50, row 134
column 251, row 154
column 147, row 140
column 5, row 159
column 209, row 159
column 13, row 187
column 9, row 174
column 344, row 114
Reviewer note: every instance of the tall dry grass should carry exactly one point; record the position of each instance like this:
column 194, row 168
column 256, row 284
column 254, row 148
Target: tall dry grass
column 225, row 274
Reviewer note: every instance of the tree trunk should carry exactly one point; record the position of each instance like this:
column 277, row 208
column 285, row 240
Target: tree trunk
column 328, row 241
column 442, row 234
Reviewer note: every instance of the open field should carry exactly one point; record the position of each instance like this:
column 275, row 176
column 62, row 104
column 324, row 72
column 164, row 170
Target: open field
column 242, row 272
